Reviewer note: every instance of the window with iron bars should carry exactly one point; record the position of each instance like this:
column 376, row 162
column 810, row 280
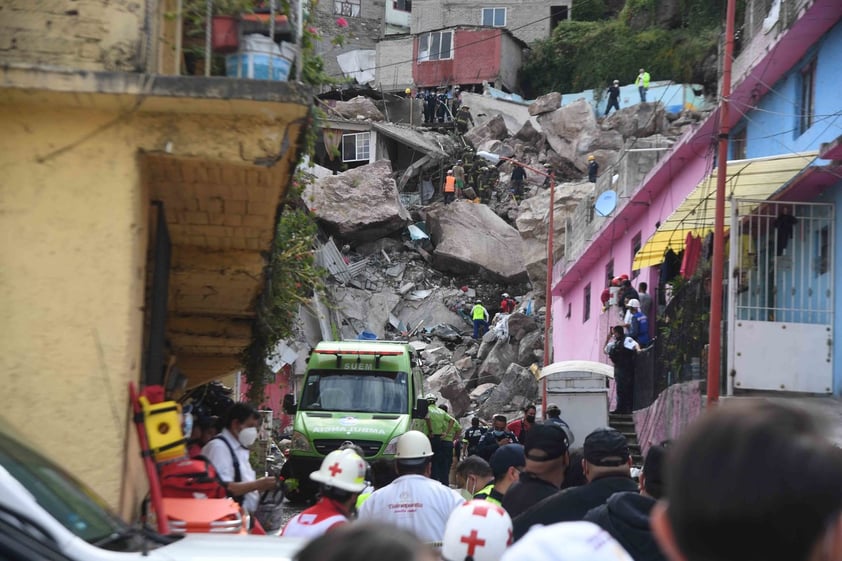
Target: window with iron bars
column 348, row 8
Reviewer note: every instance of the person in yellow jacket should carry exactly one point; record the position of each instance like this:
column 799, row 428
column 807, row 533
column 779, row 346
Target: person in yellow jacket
column 480, row 317
column 443, row 429
column 449, row 187
column 642, row 83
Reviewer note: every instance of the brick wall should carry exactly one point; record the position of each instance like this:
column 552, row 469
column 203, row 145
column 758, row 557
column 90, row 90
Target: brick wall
column 82, row 34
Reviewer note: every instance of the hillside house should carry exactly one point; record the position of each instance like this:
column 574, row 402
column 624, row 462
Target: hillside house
column 780, row 309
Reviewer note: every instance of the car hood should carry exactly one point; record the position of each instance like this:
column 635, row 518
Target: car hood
column 199, row 547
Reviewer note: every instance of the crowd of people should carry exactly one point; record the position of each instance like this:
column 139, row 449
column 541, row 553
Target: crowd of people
column 748, row 481
column 629, row 336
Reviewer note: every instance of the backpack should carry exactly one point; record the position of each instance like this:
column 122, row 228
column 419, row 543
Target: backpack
column 191, row 478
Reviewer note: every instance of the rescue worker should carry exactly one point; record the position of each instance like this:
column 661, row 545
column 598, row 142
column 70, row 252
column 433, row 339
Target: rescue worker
column 443, row 428
column 442, row 114
column 518, row 177
column 642, row 83
column 496, row 437
column 449, row 188
column 477, row 531
column 487, row 179
column 593, row 168
column 229, row 454
column 507, row 304
column 341, row 479
column 473, row 435
column 550, row 172
column 506, row 464
column 459, row 174
column 479, row 315
column 413, row 501
column 463, row 119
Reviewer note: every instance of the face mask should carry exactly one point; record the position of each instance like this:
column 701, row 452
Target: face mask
column 247, row 436
column 530, row 418
column 466, row 494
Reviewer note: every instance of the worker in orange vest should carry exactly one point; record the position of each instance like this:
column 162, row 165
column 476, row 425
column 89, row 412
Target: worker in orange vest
column 449, row 187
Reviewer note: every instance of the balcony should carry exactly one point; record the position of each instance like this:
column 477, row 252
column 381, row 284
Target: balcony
column 240, row 39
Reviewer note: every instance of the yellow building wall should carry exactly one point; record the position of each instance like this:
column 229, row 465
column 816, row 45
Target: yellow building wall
column 82, row 34
column 72, row 249
column 73, row 242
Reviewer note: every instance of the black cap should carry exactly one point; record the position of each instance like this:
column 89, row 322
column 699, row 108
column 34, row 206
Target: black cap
column 550, row 441
column 510, row 455
column 606, row 447
column 653, row 470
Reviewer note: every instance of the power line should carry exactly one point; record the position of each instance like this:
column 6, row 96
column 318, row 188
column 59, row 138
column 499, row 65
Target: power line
column 453, row 48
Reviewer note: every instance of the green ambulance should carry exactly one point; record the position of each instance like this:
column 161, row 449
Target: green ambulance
column 366, row 392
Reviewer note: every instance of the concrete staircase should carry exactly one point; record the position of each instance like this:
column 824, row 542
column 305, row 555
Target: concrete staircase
column 625, row 425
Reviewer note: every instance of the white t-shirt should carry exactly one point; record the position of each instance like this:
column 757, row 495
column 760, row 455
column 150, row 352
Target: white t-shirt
column 413, row 502
column 219, row 455
column 315, row 521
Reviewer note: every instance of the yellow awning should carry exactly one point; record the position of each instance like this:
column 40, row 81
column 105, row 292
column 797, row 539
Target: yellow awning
column 755, row 179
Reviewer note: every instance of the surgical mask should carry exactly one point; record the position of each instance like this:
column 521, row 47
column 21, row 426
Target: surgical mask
column 530, row 418
column 247, row 436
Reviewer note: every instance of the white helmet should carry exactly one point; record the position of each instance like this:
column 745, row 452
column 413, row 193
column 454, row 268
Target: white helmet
column 430, row 397
column 343, row 469
column 413, row 445
column 478, row 531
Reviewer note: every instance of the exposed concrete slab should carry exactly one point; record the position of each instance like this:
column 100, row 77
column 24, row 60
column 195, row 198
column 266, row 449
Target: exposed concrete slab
column 485, row 107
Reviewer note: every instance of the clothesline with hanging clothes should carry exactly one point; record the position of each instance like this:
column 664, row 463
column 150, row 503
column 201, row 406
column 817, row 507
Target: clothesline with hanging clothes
column 756, row 179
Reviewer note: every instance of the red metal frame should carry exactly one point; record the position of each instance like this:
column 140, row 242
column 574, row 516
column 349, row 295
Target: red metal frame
column 149, row 463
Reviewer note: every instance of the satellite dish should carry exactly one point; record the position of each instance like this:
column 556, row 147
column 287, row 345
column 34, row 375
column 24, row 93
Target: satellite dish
column 605, row 203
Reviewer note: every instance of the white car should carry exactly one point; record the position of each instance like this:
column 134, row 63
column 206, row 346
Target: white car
column 47, row 514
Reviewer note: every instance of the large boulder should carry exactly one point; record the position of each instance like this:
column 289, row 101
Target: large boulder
column 368, row 310
column 361, row 204
column 470, row 238
column 492, row 129
column 532, row 223
column 530, row 347
column 359, row 108
column 565, row 125
column 518, row 387
column 545, row 104
column 447, row 383
column 494, row 366
column 528, row 133
column 520, row 325
column 639, row 120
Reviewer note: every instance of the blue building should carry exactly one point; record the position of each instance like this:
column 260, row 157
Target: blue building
column 784, row 187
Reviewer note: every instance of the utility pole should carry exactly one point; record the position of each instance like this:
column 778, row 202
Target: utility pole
column 715, row 327
column 494, row 158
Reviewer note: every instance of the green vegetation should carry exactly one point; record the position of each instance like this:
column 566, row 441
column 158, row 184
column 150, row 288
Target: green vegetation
column 293, row 277
column 586, row 53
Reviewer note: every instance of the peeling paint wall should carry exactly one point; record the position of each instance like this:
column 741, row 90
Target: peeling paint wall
column 84, row 34
column 71, row 286
column 74, row 237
